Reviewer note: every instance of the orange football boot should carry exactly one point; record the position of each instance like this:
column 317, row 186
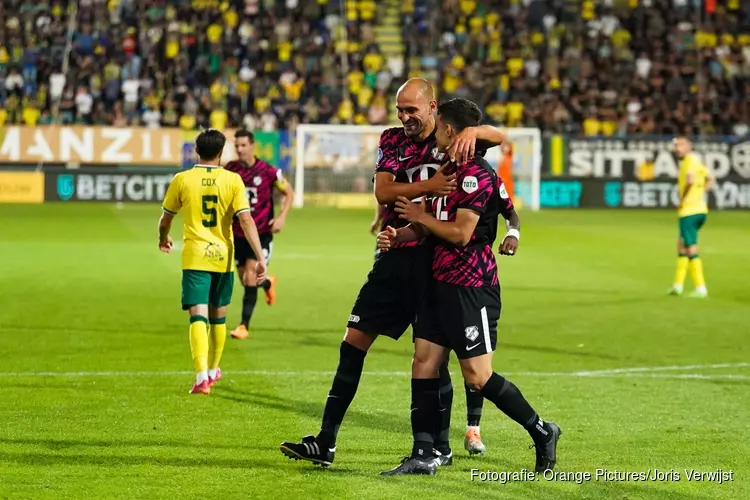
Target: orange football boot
column 240, row 333
column 271, row 291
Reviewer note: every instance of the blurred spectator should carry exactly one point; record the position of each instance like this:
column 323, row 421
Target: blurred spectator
column 584, row 67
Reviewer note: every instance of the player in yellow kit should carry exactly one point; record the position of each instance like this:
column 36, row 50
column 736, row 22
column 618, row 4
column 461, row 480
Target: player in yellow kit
column 694, row 181
column 209, row 197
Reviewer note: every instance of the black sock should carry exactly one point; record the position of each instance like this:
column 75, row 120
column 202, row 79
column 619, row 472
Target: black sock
column 425, row 412
column 442, row 434
column 508, row 398
column 474, row 403
column 343, row 389
column 266, row 285
column 248, row 304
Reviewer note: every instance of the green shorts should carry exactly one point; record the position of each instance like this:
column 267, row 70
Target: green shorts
column 206, row 287
column 689, row 227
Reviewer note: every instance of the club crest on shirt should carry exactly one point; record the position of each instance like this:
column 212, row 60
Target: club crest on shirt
column 437, row 154
column 212, row 251
column 257, row 180
column 470, row 184
column 472, row 332
column 380, row 156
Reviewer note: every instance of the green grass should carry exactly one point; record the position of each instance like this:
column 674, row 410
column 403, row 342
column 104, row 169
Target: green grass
column 87, row 298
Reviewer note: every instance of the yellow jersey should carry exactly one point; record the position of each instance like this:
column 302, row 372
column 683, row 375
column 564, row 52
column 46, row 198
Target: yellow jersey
column 695, row 200
column 209, row 198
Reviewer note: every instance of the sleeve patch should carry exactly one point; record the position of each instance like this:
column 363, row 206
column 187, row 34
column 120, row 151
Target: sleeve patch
column 503, row 192
column 380, row 156
column 470, row 184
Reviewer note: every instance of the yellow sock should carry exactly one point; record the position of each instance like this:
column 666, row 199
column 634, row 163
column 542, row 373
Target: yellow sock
column 199, row 342
column 681, row 271
column 216, row 338
column 696, row 272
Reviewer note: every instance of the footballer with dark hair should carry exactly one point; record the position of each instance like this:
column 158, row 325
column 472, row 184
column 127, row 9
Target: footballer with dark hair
column 260, row 179
column 462, row 307
column 210, row 198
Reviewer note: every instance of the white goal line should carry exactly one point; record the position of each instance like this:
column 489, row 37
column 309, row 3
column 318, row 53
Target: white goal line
column 635, row 372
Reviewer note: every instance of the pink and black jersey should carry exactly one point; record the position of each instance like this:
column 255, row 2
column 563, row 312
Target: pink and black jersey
column 482, row 191
column 409, row 161
column 259, row 180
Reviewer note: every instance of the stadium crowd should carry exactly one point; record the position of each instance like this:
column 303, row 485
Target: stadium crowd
column 608, row 67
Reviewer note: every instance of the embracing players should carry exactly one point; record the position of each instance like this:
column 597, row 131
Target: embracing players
column 462, row 307
column 209, row 197
column 260, row 179
column 695, row 179
column 407, row 165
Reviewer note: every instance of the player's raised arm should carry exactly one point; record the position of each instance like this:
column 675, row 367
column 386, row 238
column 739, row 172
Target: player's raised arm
column 491, row 134
column 464, row 144
column 281, row 184
column 170, row 207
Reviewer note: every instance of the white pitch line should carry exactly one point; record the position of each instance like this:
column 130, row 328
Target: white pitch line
column 661, row 368
column 643, row 371
column 311, row 373
column 684, row 376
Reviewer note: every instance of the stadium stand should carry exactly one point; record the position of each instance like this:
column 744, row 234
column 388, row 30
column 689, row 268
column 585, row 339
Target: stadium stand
column 610, row 67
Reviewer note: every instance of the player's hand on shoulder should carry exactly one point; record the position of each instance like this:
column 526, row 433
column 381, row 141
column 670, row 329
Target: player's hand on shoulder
column 442, row 184
column 166, row 245
column 463, row 147
column 386, row 238
column 509, row 246
column 260, row 272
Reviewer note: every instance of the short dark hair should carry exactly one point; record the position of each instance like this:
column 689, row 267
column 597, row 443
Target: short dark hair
column 209, row 144
column 243, row 132
column 460, row 113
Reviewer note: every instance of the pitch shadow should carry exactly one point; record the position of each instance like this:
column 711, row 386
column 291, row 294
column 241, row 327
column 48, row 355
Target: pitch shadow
column 386, row 422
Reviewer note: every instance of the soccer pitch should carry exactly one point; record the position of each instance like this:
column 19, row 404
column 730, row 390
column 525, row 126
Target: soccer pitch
column 96, row 364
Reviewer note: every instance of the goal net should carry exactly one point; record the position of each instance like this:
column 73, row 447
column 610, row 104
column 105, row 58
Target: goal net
column 335, row 164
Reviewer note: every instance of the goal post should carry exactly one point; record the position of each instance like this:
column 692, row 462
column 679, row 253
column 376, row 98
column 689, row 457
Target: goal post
column 527, row 165
column 335, row 164
column 340, row 153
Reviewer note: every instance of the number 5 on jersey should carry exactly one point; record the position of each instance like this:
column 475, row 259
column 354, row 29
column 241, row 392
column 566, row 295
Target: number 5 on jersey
column 208, row 203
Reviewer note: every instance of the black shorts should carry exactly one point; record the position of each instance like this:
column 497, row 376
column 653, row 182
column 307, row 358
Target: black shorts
column 243, row 252
column 390, row 298
column 460, row 318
